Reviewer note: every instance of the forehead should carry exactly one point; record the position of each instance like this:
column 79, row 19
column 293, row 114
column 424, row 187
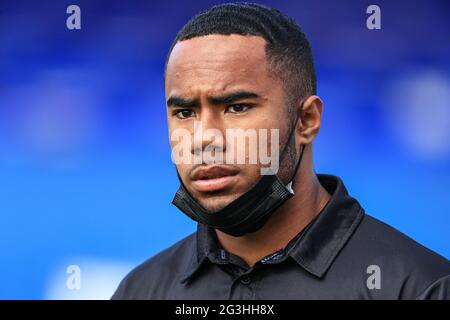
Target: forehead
column 216, row 63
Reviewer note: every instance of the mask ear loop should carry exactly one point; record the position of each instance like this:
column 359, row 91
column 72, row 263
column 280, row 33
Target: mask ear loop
column 292, row 180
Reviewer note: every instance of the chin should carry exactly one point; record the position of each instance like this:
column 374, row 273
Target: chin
column 215, row 204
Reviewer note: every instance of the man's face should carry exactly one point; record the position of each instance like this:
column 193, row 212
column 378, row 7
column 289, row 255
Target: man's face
column 223, row 82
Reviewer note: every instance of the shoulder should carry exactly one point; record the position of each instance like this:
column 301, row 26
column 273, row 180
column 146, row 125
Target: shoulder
column 387, row 241
column 403, row 262
column 153, row 277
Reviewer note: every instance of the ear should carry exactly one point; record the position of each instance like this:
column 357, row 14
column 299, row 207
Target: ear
column 310, row 120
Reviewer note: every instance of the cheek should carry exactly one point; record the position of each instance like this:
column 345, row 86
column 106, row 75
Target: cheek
column 250, row 176
column 181, row 136
column 183, row 171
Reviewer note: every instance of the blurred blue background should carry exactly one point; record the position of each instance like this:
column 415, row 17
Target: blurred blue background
column 85, row 171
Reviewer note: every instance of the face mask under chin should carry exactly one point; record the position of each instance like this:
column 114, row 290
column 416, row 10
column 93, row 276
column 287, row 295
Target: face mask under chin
column 246, row 214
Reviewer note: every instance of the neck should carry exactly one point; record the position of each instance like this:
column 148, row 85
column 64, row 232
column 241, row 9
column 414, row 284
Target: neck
column 290, row 219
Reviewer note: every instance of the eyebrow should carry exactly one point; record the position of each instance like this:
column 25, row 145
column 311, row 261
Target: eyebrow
column 175, row 101
column 215, row 100
column 233, row 97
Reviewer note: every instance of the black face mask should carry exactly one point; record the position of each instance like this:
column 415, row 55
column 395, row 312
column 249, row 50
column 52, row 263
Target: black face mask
column 246, row 214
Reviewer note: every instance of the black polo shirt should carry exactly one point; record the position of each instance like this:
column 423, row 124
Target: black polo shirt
column 342, row 254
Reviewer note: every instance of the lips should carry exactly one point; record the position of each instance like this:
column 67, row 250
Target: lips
column 215, row 178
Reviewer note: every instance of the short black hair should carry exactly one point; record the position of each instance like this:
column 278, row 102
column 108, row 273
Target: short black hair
column 288, row 50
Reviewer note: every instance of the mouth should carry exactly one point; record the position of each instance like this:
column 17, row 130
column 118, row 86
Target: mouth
column 214, row 178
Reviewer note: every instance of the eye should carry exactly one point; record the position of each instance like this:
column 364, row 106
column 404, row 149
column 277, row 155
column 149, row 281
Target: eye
column 237, row 108
column 184, row 113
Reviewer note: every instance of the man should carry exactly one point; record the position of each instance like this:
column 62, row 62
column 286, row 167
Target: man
column 286, row 234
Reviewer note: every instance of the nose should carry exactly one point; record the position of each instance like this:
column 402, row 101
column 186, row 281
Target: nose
column 209, row 133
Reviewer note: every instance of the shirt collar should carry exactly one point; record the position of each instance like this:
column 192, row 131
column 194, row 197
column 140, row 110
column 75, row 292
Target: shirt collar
column 316, row 248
